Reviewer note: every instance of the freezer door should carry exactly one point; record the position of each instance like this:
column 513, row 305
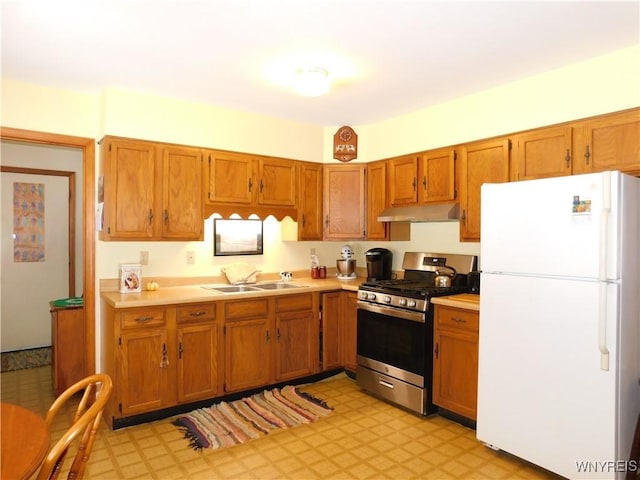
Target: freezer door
column 550, row 226
column 542, row 395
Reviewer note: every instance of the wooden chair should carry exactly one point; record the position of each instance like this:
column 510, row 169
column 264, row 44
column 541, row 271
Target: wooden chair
column 97, row 390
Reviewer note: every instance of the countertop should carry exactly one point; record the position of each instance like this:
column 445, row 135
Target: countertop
column 181, row 294
column 467, row 301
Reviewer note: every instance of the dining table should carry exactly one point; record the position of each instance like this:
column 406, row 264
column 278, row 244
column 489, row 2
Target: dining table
column 24, row 441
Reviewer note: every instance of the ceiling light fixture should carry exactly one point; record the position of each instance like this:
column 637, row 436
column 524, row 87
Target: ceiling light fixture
column 312, row 81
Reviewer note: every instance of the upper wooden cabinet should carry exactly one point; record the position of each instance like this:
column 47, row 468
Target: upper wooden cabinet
column 403, row 180
column 437, row 176
column 310, row 201
column 610, row 142
column 242, row 183
column 151, row 191
column 344, row 202
column 422, row 178
column 481, row 162
column 542, row 153
column 376, row 200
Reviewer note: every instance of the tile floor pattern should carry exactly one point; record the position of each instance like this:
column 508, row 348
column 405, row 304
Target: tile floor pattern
column 364, row 438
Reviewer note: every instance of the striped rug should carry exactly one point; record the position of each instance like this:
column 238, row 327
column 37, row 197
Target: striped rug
column 227, row 424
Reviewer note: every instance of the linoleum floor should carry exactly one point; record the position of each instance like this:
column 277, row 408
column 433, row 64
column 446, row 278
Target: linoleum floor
column 364, row 438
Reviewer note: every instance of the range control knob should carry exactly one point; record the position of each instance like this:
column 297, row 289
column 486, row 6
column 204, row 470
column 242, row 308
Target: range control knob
column 402, row 302
column 371, row 296
column 411, row 303
column 387, row 299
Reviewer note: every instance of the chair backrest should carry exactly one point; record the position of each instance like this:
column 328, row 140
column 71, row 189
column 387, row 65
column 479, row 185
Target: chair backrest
column 97, row 390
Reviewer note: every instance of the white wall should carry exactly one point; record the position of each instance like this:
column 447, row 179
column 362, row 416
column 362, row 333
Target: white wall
column 600, row 85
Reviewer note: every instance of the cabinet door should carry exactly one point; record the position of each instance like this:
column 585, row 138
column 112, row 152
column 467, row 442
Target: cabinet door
column 455, row 372
column 197, row 362
column 376, row 199
column 331, row 327
column 276, row 182
column 294, row 352
column 182, row 214
column 230, row 178
column 349, row 329
column 403, row 180
column 144, row 371
column 128, row 181
column 247, row 361
column 437, row 178
column 310, row 202
column 68, row 347
column 542, row 153
column 482, row 162
column 344, row 207
column 610, row 143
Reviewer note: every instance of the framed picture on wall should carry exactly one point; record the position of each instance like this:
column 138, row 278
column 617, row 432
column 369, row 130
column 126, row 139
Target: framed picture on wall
column 237, row 237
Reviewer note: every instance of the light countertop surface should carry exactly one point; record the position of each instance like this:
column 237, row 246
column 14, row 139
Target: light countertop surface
column 180, row 294
column 467, row 301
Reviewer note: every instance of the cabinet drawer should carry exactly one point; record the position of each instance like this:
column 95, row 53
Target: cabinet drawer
column 196, row 313
column 447, row 317
column 246, row 309
column 292, row 303
column 143, row 318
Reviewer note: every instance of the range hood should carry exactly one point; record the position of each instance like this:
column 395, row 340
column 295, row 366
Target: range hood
column 444, row 212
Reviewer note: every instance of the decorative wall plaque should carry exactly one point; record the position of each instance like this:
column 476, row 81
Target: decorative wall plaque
column 345, row 144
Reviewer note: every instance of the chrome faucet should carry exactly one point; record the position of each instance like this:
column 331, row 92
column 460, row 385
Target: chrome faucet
column 245, row 280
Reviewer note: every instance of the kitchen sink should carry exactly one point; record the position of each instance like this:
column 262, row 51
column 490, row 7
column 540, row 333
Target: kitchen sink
column 277, row 285
column 230, row 288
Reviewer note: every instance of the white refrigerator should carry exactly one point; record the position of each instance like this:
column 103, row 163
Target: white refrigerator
column 559, row 351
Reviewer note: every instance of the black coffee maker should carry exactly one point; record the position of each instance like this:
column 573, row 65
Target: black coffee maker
column 378, row 264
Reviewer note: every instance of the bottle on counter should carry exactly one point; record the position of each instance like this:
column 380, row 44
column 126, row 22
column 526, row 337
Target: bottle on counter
column 315, row 266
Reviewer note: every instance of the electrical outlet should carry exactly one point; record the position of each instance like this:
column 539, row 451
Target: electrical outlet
column 191, row 257
column 144, row 258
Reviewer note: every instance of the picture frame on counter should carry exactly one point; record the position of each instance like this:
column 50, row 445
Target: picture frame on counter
column 236, row 236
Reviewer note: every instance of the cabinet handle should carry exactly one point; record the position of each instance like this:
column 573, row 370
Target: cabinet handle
column 304, row 220
column 150, row 216
column 568, row 158
column 587, row 155
column 278, row 334
column 458, row 320
column 463, row 217
column 266, row 337
column 436, row 351
column 198, row 313
column 164, row 360
column 250, row 184
column 180, row 350
column 144, row 319
column 326, row 221
column 261, row 185
column 166, row 216
column 424, row 182
column 414, row 183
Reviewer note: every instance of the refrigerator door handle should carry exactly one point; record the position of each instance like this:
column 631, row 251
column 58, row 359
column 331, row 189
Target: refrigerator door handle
column 602, row 313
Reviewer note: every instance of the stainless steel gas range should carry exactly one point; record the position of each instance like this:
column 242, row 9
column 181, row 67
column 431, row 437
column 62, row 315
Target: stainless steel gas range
column 395, row 328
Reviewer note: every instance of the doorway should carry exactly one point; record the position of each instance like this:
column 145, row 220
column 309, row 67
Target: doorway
column 87, row 147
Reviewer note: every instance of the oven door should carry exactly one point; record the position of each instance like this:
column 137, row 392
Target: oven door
column 394, row 341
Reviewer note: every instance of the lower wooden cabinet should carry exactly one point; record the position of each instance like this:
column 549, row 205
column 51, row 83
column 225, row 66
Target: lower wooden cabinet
column 163, row 356
column 67, row 345
column 199, row 352
column 349, row 327
column 455, row 365
column 270, row 340
column 339, row 330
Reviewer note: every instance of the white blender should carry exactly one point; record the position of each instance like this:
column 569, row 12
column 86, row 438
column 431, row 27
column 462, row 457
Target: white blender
column 347, row 264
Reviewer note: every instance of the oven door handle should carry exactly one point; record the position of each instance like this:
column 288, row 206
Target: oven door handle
column 392, row 312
